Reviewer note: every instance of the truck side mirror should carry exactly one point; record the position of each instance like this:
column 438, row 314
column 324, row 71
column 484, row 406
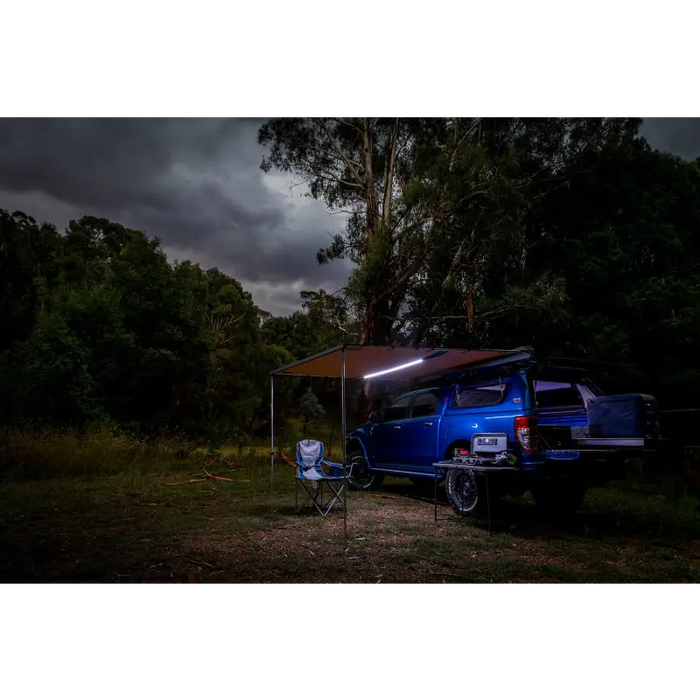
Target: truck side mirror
column 375, row 417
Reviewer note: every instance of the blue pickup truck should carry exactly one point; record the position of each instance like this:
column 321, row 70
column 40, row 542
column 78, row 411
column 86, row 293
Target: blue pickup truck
column 556, row 422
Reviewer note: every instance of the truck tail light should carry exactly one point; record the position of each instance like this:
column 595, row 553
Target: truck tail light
column 526, row 433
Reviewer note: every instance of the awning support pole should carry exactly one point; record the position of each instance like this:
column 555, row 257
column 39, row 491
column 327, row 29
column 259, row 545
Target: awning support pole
column 344, row 427
column 272, row 436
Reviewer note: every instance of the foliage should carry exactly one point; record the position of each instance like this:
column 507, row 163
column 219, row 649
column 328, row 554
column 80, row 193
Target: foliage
column 104, row 328
column 436, row 207
column 571, row 235
column 310, row 408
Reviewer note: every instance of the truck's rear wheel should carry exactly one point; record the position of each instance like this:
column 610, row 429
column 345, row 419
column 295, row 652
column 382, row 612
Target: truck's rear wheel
column 559, row 497
column 363, row 478
column 466, row 492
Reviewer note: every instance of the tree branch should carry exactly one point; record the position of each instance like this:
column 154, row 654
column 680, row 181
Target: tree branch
column 346, row 123
column 330, row 177
column 331, row 156
column 337, row 149
column 412, row 268
column 462, row 317
column 389, row 173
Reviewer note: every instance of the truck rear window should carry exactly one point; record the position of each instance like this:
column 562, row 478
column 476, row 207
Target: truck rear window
column 480, row 396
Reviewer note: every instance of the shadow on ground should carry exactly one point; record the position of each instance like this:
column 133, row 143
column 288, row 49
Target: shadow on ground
column 606, row 513
column 144, row 533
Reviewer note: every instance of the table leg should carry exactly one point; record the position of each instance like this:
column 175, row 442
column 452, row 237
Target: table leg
column 488, row 500
column 435, row 493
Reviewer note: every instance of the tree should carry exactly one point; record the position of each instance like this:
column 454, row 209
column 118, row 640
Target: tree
column 437, row 213
column 310, row 408
column 432, row 205
column 569, row 235
column 621, row 236
column 102, row 327
column 330, row 315
column 29, row 255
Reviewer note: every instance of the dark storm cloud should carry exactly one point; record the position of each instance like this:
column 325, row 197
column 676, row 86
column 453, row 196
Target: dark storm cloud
column 679, row 136
column 197, row 184
column 194, row 183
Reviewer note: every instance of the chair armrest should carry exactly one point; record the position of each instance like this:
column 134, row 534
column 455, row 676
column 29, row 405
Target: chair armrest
column 338, row 469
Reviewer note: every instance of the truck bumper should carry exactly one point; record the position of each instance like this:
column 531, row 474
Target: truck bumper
column 609, row 445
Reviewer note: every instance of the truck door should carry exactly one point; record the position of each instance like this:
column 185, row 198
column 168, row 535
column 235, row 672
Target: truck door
column 387, row 435
column 419, row 433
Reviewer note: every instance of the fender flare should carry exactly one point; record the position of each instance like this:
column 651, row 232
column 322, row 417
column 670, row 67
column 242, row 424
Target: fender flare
column 357, row 439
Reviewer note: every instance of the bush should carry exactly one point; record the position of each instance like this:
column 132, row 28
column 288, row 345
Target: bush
column 101, row 450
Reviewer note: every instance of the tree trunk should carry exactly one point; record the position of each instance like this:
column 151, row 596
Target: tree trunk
column 376, row 330
column 376, row 324
column 370, row 399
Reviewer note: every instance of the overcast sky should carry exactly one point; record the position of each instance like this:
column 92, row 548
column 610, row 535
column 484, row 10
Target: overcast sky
column 197, row 184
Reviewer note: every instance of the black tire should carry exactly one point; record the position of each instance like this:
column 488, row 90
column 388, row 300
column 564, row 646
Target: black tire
column 466, row 492
column 559, row 497
column 363, row 478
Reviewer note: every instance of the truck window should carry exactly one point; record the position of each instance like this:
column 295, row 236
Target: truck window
column 550, row 395
column 477, row 397
column 425, row 404
column 398, row 410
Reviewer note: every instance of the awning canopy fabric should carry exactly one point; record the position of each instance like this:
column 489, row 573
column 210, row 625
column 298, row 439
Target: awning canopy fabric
column 389, row 363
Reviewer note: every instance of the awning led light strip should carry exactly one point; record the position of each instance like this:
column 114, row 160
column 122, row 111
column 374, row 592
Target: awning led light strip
column 394, row 369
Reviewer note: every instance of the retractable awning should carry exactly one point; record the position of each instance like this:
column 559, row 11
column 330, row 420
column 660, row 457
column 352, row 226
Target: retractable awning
column 390, row 363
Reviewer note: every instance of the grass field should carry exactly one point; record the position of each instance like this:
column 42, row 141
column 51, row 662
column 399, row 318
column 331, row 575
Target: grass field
column 101, row 510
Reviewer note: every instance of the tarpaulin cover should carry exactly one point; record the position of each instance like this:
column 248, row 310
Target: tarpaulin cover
column 619, row 416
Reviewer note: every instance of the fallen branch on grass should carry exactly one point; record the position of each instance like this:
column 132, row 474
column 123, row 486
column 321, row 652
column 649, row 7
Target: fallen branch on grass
column 189, row 481
column 207, row 476
column 217, row 478
column 230, row 464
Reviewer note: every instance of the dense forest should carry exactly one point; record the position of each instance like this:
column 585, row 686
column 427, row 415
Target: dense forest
column 570, row 235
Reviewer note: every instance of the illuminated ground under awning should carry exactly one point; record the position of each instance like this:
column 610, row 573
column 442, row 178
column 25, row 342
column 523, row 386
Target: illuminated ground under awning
column 390, row 363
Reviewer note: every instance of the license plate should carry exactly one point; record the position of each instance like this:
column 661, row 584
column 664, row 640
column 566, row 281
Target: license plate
column 562, row 454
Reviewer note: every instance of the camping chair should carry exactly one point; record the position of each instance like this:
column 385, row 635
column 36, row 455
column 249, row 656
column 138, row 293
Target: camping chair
column 312, row 472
